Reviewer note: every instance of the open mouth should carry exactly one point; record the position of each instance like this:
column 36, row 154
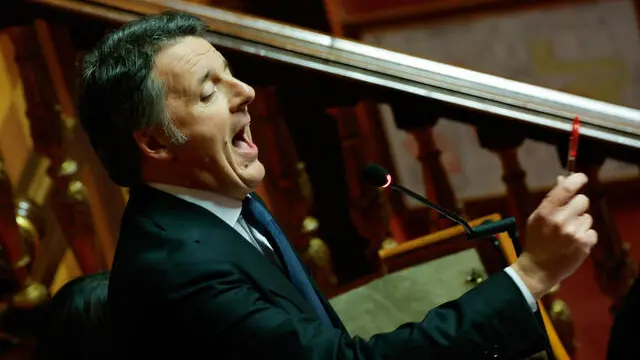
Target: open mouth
column 242, row 141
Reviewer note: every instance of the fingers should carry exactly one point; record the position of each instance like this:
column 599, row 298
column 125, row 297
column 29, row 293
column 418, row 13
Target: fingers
column 584, row 223
column 564, row 191
column 580, row 229
column 577, row 226
column 589, row 238
column 576, row 207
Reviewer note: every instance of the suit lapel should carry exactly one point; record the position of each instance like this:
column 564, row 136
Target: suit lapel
column 190, row 222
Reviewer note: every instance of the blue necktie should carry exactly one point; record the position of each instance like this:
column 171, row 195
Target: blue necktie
column 256, row 215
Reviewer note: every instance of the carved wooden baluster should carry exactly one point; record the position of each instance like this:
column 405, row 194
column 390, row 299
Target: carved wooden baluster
column 279, row 157
column 316, row 254
column 368, row 205
column 47, row 128
column 613, row 269
column 68, row 200
column 288, row 186
column 315, row 135
column 370, row 122
column 505, row 144
column 49, row 133
column 19, row 237
column 9, row 230
column 561, row 318
column 61, row 45
column 413, row 118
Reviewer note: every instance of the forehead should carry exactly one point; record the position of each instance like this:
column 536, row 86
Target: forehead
column 187, row 58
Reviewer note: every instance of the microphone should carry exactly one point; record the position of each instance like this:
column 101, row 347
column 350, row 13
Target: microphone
column 378, row 176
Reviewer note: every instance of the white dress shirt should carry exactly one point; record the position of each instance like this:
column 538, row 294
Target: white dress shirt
column 225, row 208
column 229, row 211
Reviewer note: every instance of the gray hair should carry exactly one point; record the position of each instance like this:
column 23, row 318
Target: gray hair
column 118, row 93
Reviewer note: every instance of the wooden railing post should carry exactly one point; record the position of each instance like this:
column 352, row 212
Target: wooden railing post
column 288, row 186
column 19, row 237
column 50, row 132
column 368, row 206
column 419, row 120
column 614, row 271
column 504, row 140
column 9, row 231
column 317, row 141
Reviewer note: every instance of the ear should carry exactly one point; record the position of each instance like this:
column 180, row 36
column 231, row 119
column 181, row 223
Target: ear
column 153, row 143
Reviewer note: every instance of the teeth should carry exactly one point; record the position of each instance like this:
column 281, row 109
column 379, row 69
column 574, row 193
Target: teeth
column 247, row 133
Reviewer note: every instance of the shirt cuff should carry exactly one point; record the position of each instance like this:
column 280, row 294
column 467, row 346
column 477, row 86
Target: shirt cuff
column 533, row 304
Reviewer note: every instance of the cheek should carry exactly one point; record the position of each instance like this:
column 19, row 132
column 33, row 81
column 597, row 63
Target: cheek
column 211, row 143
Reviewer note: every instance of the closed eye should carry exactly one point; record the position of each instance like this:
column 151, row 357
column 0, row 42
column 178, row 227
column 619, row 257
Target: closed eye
column 207, row 98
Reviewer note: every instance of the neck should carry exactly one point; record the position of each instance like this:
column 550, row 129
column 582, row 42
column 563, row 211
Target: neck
column 194, row 179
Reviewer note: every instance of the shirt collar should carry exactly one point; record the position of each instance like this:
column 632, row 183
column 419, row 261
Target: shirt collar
column 227, row 209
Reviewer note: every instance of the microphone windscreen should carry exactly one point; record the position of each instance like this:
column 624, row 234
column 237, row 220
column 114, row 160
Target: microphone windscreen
column 376, row 175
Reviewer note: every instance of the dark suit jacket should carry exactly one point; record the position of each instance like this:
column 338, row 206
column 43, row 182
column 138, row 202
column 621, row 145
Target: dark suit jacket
column 624, row 338
column 184, row 282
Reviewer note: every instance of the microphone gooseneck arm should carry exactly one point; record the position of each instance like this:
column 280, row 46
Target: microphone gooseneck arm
column 378, row 176
column 443, row 211
column 507, row 225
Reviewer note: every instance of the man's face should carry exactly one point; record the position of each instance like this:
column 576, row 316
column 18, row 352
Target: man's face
column 209, row 106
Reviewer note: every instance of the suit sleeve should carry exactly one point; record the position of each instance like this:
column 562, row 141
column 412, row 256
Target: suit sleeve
column 625, row 332
column 222, row 307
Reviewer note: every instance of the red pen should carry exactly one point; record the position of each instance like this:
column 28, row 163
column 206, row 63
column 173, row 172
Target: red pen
column 573, row 145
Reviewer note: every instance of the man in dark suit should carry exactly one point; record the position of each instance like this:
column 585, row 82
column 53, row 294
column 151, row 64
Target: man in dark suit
column 624, row 335
column 202, row 268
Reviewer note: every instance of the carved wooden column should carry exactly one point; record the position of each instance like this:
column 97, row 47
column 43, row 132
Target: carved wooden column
column 20, row 232
column 368, row 206
column 504, row 140
column 419, row 120
column 62, row 45
column 288, row 186
column 69, row 202
column 50, row 133
column 613, row 269
column 278, row 154
column 9, row 230
column 317, row 142
column 561, row 318
column 371, row 124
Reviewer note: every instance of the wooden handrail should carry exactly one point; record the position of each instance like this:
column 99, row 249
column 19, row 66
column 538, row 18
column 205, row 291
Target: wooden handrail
column 386, row 69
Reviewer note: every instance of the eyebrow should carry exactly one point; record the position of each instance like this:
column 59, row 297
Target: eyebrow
column 207, row 74
column 204, row 77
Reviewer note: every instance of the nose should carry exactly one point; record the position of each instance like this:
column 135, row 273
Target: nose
column 242, row 96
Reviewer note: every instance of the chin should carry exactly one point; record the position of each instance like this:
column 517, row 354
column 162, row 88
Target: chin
column 252, row 175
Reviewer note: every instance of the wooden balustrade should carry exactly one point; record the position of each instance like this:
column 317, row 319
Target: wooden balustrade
column 287, row 183
column 504, row 140
column 20, row 233
column 50, row 132
column 291, row 202
column 15, row 257
column 368, row 206
column 419, row 119
column 315, row 134
column 613, row 270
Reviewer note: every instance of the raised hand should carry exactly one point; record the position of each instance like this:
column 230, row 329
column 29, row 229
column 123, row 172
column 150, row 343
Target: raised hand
column 559, row 236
